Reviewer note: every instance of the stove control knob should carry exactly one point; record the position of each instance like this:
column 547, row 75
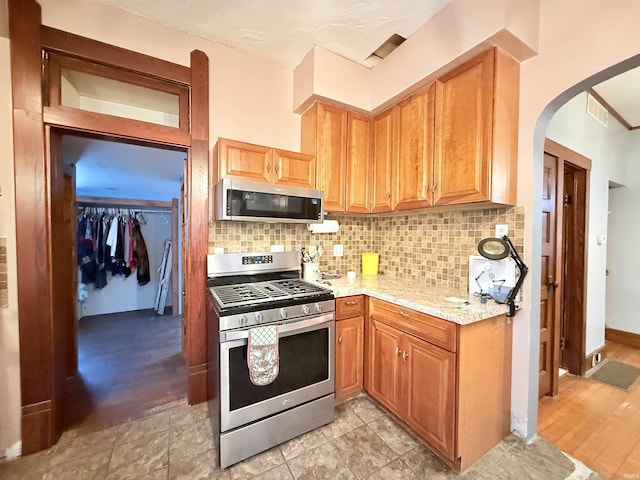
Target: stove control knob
column 318, row 307
column 283, row 313
column 305, row 309
column 243, row 321
column 258, row 317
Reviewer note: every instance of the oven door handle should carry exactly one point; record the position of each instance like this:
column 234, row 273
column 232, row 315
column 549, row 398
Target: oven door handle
column 284, row 329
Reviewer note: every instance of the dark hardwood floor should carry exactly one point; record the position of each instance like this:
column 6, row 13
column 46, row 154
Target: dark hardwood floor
column 128, row 363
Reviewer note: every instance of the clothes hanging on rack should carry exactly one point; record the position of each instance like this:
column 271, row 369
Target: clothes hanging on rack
column 110, row 240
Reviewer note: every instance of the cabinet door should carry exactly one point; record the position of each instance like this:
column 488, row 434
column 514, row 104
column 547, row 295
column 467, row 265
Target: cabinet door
column 349, row 356
column 464, row 120
column 414, row 149
column 296, row 169
column 383, row 158
column 429, row 390
column 358, row 162
column 244, row 161
column 324, row 130
column 385, row 365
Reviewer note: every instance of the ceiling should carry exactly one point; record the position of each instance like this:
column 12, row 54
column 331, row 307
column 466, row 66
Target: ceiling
column 282, row 33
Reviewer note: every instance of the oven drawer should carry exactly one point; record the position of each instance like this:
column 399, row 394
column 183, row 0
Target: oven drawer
column 349, row 307
column 434, row 330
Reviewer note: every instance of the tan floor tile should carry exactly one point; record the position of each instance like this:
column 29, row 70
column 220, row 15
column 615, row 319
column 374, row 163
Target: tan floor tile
column 140, row 457
column 395, row 470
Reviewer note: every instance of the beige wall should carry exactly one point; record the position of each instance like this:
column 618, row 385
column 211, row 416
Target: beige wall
column 9, row 348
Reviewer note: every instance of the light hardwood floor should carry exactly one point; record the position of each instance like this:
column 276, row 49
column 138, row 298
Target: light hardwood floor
column 596, row 423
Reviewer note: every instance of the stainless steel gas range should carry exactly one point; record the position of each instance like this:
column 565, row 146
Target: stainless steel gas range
column 265, row 289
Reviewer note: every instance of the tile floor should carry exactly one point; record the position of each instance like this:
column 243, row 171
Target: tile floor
column 175, row 442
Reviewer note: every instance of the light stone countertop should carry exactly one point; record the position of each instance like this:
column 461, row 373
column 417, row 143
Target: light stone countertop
column 420, row 297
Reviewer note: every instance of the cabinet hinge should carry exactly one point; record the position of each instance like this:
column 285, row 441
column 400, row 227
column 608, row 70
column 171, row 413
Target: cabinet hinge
column 563, row 343
column 568, row 199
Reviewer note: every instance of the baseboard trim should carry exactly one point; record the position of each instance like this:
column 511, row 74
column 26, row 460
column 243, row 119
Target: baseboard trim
column 587, row 363
column 625, row 338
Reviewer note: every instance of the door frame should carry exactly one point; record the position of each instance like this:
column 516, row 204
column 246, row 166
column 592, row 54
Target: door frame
column 41, row 356
column 568, row 158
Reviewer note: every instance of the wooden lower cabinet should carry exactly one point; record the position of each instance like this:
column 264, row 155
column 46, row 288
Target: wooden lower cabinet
column 349, row 358
column 349, row 371
column 456, row 398
column 430, row 392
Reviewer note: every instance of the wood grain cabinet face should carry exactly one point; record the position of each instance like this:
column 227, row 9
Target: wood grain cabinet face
column 358, row 162
column 476, row 128
column 384, row 366
column 258, row 163
column 414, row 147
column 296, row 169
column 430, row 392
column 349, row 345
column 349, row 356
column 383, row 160
column 340, row 141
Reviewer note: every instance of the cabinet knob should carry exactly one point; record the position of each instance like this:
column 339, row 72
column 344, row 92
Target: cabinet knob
column 351, row 302
column 340, row 339
column 405, row 355
column 397, row 351
column 403, row 314
column 275, row 169
column 268, row 168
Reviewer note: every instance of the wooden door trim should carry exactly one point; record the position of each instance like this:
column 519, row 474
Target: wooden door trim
column 77, row 46
column 197, row 230
column 41, row 409
column 33, row 237
column 567, row 156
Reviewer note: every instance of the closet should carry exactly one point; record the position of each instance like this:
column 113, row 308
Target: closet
column 127, row 276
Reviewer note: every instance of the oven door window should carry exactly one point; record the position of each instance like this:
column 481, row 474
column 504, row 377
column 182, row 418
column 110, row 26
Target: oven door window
column 304, row 361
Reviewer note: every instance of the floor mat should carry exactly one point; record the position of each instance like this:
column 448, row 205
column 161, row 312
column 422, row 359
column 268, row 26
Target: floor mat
column 619, row 375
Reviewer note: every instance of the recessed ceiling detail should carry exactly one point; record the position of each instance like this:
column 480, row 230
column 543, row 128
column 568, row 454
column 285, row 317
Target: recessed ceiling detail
column 283, row 31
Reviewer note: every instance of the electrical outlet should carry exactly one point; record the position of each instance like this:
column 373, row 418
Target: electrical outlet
column 218, row 250
column 338, row 250
column 277, row 248
column 502, row 231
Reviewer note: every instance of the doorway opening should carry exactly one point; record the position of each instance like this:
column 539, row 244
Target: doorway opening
column 127, row 339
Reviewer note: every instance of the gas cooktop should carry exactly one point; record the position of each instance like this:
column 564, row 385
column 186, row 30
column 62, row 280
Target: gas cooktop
column 253, row 293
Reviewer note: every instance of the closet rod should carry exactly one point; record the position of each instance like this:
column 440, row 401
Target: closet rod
column 150, row 206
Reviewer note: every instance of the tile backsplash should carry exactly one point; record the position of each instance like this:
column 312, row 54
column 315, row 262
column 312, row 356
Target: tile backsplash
column 428, row 247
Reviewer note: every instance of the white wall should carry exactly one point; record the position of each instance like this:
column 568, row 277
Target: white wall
column 574, row 128
column 623, row 261
column 125, row 294
column 9, row 340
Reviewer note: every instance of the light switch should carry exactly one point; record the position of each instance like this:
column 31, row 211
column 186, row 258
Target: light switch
column 601, row 239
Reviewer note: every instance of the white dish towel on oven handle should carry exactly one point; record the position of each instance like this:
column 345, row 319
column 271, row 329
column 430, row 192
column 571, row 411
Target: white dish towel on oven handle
column 262, row 355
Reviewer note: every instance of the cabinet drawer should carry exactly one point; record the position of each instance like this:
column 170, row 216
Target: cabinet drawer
column 347, row 307
column 434, row 330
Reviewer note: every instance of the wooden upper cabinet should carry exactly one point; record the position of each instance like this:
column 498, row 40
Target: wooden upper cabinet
column 257, row 163
column 414, row 146
column 358, row 162
column 383, row 159
column 324, row 134
column 241, row 160
column 291, row 168
column 477, row 130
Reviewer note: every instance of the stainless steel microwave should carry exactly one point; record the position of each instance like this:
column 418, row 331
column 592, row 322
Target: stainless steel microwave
column 265, row 202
